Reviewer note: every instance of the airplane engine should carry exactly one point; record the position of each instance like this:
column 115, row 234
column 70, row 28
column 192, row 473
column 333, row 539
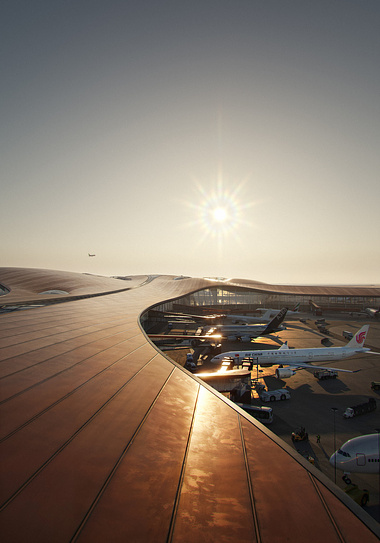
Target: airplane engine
column 231, row 338
column 245, row 338
column 283, row 373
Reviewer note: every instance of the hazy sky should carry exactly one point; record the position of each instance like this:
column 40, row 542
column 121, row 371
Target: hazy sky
column 125, row 124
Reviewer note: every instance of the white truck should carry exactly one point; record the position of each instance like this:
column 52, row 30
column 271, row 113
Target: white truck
column 360, row 409
column 274, row 395
column 321, row 375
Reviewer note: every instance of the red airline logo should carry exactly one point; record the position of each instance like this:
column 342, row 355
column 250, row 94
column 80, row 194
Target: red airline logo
column 360, row 337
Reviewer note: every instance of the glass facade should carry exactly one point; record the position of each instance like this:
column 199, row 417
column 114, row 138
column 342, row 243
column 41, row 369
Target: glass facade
column 249, row 300
column 222, row 297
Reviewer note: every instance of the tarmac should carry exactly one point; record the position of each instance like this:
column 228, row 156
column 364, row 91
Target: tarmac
column 312, row 401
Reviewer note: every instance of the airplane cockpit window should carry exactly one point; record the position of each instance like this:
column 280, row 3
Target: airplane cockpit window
column 344, row 453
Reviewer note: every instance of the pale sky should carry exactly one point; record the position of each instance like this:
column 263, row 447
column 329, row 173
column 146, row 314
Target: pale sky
column 125, row 125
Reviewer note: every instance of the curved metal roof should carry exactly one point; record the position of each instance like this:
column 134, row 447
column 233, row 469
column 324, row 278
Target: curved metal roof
column 105, row 439
column 309, row 290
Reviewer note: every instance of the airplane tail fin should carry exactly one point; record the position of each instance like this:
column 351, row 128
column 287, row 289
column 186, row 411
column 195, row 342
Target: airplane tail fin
column 276, row 321
column 266, row 315
column 296, row 308
column 359, row 338
column 284, row 346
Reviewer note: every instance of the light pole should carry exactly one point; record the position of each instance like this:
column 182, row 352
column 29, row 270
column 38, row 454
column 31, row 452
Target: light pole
column 378, row 435
column 334, row 410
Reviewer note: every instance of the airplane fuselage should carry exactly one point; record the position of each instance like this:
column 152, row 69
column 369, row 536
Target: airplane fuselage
column 292, row 356
column 358, row 455
column 243, row 328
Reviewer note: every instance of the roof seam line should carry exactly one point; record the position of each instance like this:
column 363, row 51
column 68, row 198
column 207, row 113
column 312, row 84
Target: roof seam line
column 117, row 464
column 249, row 481
column 68, row 441
column 182, row 474
column 64, row 353
column 57, row 343
column 332, row 520
column 49, row 333
column 71, row 393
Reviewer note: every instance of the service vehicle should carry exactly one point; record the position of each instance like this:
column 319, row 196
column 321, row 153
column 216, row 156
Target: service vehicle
column 375, row 385
column 360, row 409
column 190, row 365
column 320, row 321
column 261, row 413
column 258, row 386
column 274, row 395
column 321, row 375
column 300, row 435
column 347, row 335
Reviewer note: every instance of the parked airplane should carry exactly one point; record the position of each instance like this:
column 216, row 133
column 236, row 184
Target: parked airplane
column 374, row 313
column 246, row 332
column 90, row 254
column 300, row 358
column 358, row 455
column 188, row 316
column 246, row 319
column 193, row 340
column 273, row 312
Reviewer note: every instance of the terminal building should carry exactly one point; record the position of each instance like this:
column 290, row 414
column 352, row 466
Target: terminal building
column 255, row 295
column 104, row 438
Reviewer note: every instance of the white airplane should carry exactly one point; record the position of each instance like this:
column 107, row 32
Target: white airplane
column 300, row 358
column 90, row 254
column 246, row 319
column 373, row 313
column 273, row 312
column 358, row 455
column 246, row 332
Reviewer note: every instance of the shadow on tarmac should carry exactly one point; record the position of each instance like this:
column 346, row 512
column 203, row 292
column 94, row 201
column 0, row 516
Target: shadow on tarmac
column 333, row 386
column 327, row 456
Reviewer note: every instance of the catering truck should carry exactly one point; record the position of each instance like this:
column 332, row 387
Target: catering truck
column 321, row 375
column 360, row 409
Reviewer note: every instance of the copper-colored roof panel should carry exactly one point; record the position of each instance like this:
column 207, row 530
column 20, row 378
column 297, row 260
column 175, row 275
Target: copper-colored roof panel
column 84, row 346
column 349, row 525
column 106, row 353
column 215, row 494
column 42, row 394
column 146, row 481
column 105, row 439
column 284, row 493
column 50, row 430
column 67, row 486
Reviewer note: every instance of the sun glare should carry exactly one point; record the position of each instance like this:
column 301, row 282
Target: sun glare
column 219, row 214
column 220, row 211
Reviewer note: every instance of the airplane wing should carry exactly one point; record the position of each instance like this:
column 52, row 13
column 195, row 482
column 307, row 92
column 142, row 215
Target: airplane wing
column 183, row 336
column 300, row 366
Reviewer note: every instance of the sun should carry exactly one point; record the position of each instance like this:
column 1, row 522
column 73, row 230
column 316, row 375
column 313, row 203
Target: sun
column 219, row 214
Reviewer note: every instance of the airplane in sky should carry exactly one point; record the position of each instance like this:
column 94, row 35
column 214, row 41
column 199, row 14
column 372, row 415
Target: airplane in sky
column 90, row 254
column 246, row 332
column 358, row 455
column 374, row 313
column 300, row 358
column 273, row 312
